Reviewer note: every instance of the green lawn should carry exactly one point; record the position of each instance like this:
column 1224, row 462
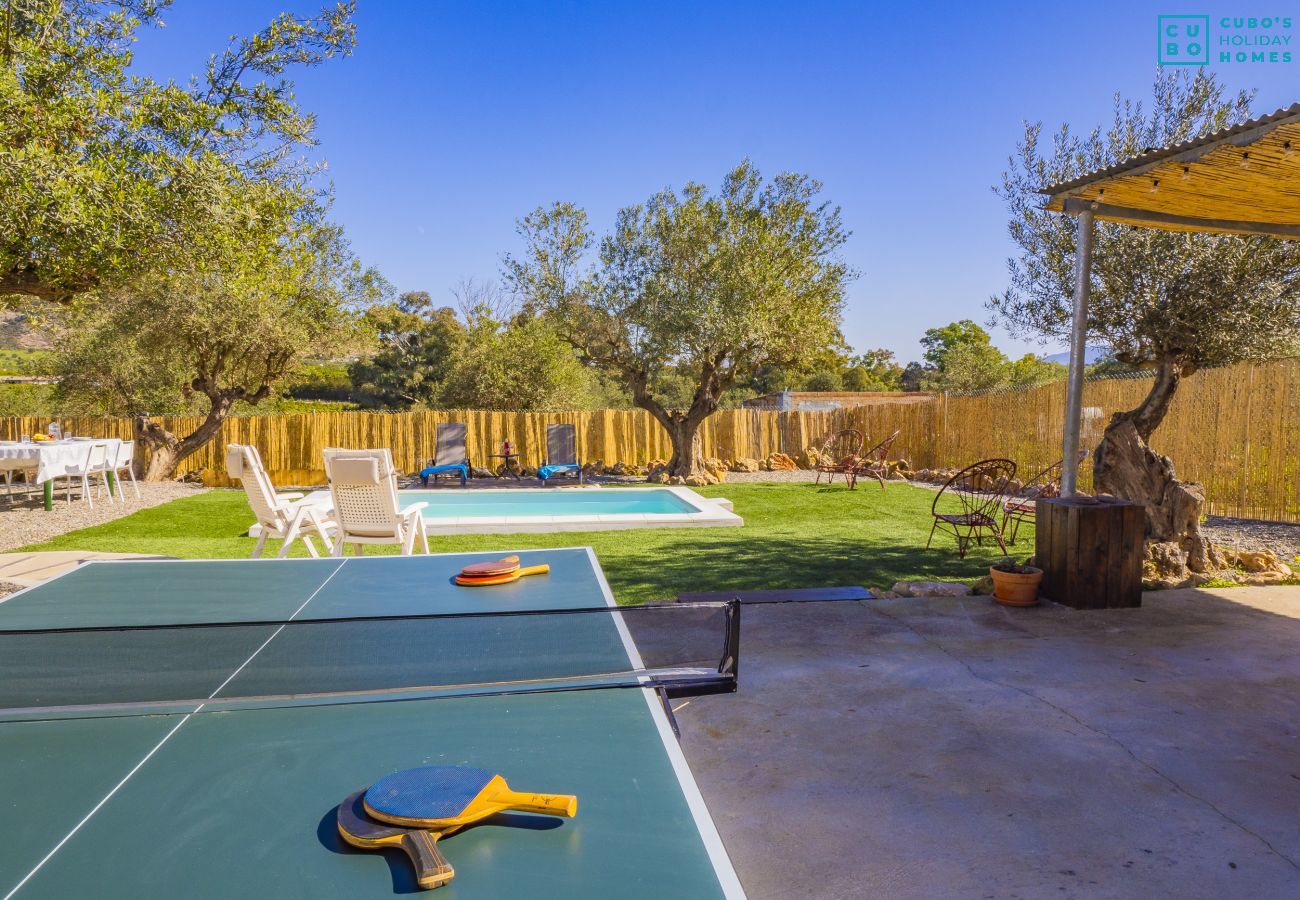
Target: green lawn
column 795, row 535
column 21, row 362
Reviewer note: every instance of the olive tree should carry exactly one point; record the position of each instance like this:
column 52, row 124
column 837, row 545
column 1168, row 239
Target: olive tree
column 206, row 340
column 1169, row 302
column 108, row 175
column 715, row 285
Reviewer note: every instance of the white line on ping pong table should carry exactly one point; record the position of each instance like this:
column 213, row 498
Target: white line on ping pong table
column 136, row 768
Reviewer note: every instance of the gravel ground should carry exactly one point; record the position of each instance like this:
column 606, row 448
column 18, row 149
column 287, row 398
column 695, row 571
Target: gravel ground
column 1283, row 538
column 26, row 521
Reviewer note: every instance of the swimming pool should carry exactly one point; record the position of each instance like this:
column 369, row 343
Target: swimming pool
column 590, row 508
column 481, row 504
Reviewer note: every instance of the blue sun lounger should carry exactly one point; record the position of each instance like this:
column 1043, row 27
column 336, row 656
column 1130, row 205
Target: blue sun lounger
column 450, row 456
column 561, row 453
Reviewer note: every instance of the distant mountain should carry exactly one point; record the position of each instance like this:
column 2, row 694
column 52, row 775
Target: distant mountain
column 16, row 333
column 1090, row 356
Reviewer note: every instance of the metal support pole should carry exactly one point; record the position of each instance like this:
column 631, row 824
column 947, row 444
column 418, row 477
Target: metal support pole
column 1078, row 348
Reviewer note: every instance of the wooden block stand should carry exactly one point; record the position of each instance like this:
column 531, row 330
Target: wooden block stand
column 1090, row 551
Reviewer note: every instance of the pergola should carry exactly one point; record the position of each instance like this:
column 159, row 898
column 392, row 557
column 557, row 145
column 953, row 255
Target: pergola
column 1241, row 180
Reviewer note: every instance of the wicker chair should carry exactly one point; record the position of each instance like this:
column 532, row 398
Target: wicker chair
column 980, row 488
column 874, row 463
column 1046, row 483
column 839, row 455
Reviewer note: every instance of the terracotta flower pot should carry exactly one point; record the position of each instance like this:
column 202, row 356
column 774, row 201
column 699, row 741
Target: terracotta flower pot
column 1016, row 588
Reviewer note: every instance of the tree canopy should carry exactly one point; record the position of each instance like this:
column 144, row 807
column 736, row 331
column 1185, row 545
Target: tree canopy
column 874, row 370
column 940, row 342
column 108, row 175
column 418, row 345
column 961, row 358
column 431, row 357
column 715, row 285
column 202, row 340
column 523, row 364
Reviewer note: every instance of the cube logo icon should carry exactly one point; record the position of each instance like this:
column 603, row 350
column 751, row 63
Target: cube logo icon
column 1183, row 40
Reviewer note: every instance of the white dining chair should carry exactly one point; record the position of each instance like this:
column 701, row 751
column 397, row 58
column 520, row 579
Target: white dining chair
column 125, row 462
column 93, row 461
column 8, row 470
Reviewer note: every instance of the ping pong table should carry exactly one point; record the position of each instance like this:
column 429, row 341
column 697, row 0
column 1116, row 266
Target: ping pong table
column 242, row 801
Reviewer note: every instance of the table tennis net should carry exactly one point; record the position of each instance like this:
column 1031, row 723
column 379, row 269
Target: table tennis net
column 682, row 648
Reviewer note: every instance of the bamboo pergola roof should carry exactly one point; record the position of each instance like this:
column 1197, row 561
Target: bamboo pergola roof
column 1241, row 180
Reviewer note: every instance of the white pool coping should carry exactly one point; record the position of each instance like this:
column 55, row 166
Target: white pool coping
column 710, row 512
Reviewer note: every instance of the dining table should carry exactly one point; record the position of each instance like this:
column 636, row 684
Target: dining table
column 48, row 460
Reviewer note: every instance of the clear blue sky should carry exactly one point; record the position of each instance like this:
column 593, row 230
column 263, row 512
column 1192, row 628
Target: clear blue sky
column 452, row 119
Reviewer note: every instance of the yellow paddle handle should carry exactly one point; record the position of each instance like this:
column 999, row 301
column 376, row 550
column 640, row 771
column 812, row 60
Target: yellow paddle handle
column 533, row 570
column 547, row 804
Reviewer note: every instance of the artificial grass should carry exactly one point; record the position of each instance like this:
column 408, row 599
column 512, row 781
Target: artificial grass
column 795, row 535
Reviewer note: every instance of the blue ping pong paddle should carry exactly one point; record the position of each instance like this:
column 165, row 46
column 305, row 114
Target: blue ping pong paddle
column 450, row 796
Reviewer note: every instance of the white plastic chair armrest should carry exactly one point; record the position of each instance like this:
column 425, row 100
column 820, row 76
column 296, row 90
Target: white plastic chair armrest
column 413, row 508
column 323, row 519
column 320, row 520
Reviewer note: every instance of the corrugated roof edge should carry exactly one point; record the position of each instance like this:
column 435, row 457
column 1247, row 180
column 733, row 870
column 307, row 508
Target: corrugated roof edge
column 1268, row 122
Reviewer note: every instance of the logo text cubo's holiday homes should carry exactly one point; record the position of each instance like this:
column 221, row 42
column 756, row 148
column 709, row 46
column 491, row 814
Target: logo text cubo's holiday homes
column 1198, row 40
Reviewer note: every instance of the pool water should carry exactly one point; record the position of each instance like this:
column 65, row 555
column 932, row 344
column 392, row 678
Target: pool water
column 559, row 502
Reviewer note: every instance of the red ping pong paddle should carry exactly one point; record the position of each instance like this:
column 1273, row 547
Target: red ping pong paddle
column 502, row 566
column 504, row 578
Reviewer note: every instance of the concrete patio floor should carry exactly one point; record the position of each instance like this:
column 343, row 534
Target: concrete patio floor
column 951, row 748
column 26, row 569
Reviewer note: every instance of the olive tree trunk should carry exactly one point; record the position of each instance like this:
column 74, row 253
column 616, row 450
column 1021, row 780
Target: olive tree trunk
column 167, row 450
column 687, row 458
column 1125, row 466
column 683, row 427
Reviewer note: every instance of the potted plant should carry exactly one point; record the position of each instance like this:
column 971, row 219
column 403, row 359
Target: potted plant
column 1015, row 585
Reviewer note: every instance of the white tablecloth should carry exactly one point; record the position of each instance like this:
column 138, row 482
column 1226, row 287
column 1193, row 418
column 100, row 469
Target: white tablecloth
column 51, row 459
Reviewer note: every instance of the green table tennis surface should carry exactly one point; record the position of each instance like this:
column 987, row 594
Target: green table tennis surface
column 241, row 802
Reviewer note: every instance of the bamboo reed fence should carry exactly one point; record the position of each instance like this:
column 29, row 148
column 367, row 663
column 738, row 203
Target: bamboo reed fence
column 1236, row 430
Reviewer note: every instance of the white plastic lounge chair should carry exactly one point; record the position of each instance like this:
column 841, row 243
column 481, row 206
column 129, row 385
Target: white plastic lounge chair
column 449, row 456
column 561, row 453
column 363, row 484
column 277, row 517
column 125, row 462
